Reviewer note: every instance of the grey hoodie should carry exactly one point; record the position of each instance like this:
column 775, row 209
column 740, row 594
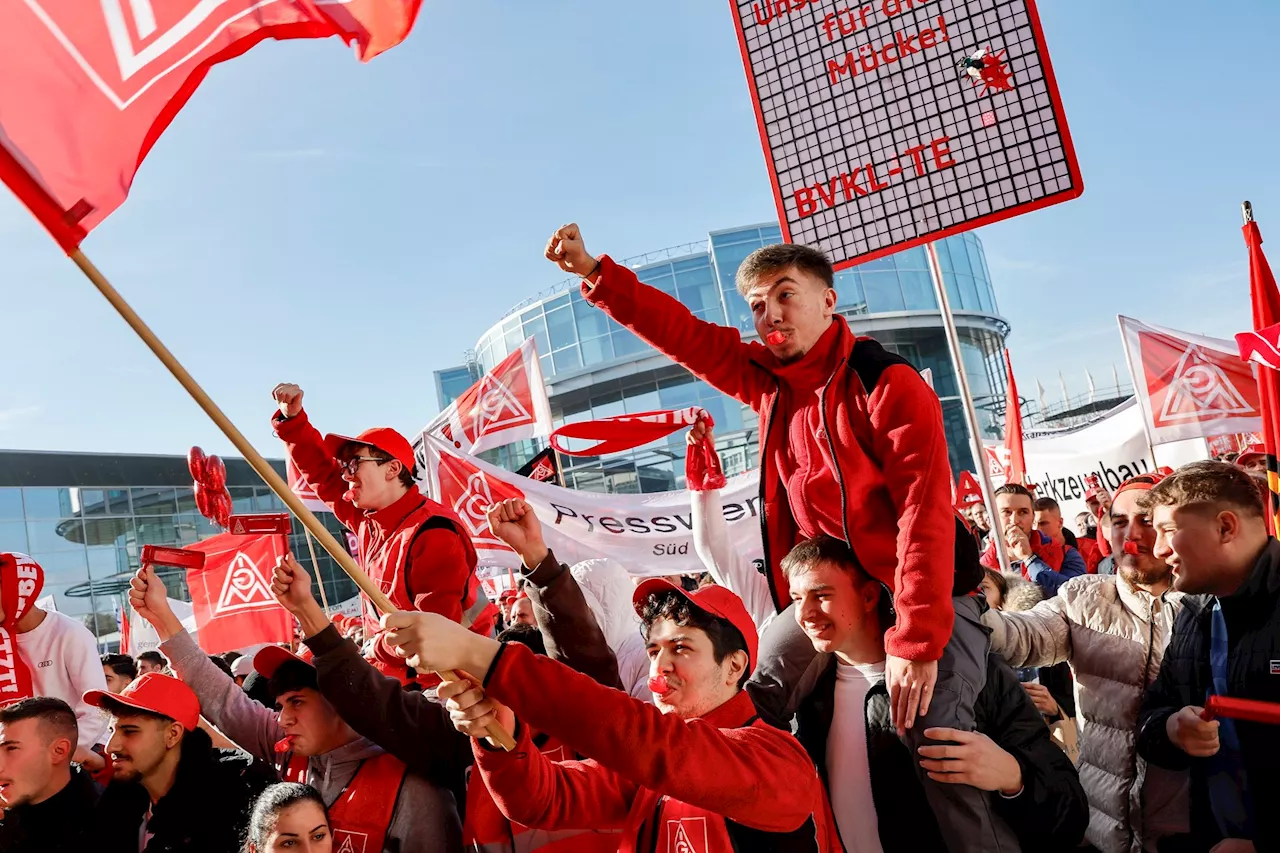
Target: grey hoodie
column 425, row 818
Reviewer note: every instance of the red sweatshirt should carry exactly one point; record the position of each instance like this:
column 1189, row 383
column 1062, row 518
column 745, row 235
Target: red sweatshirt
column 872, row 427
column 415, row 550
column 723, row 778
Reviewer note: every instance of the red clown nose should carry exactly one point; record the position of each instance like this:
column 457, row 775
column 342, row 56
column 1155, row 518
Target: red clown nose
column 658, row 684
column 1131, row 548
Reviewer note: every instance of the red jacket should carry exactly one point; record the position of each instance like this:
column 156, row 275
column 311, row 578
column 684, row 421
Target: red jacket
column 416, row 550
column 720, row 781
column 1092, row 554
column 883, row 435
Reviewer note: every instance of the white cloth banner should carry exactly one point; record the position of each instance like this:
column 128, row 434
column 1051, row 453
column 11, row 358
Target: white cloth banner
column 1115, row 448
column 650, row 534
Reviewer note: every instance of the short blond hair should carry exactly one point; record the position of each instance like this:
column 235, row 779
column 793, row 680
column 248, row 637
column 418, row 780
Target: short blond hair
column 781, row 256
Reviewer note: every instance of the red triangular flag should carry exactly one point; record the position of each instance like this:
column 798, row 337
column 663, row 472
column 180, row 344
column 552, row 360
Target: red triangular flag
column 1266, row 313
column 1017, row 468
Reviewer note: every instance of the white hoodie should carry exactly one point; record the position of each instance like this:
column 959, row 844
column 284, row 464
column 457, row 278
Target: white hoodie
column 608, row 588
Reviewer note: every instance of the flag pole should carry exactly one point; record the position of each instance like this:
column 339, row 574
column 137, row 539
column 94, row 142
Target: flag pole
column 966, row 397
column 315, row 567
column 252, row 456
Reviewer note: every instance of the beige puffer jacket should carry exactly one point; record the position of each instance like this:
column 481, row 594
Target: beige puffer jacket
column 1114, row 637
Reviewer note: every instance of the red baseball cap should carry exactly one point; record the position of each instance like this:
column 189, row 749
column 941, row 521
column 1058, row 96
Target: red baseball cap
column 384, row 438
column 713, row 599
column 1251, row 450
column 157, row 693
column 270, row 658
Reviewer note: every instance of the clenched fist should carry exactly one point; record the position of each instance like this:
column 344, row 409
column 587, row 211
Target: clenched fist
column 514, row 522
column 567, row 250
column 289, row 396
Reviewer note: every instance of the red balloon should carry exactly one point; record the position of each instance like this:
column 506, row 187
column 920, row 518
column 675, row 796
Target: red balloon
column 222, row 508
column 196, row 463
column 203, row 502
column 215, row 473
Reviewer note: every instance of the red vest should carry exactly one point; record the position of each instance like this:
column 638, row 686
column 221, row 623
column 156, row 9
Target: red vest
column 361, row 815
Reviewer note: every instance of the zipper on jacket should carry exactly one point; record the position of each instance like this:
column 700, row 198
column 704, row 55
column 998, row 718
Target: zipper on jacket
column 764, row 526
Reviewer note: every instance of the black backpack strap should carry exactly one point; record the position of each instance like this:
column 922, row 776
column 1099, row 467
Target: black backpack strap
column 435, row 522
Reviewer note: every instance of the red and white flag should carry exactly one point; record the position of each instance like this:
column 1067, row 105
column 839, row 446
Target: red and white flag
column 300, row 487
column 508, row 404
column 1261, row 346
column 231, row 596
column 1188, row 385
column 1266, row 315
column 89, row 85
column 1015, row 458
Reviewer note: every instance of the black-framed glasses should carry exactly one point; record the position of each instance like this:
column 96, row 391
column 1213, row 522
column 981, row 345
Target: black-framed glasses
column 349, row 466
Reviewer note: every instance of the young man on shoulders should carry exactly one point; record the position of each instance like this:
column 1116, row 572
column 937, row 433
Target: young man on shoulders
column 415, row 549
column 700, row 771
column 852, row 446
column 1211, row 529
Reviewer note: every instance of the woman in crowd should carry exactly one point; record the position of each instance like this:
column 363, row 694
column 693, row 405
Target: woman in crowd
column 289, row 818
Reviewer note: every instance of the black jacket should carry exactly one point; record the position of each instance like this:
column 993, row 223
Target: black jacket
column 206, row 810
column 58, row 825
column 1252, row 615
column 1050, row 814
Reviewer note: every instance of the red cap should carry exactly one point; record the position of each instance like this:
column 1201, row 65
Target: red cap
column 715, row 600
column 157, row 693
column 1142, row 483
column 270, row 658
column 384, row 438
column 1251, row 450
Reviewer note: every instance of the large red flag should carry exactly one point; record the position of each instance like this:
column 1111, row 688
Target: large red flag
column 1017, row 464
column 89, row 85
column 231, row 596
column 1266, row 313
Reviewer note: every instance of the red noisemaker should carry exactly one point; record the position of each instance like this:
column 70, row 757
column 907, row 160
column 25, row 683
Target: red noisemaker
column 658, row 685
column 267, row 522
column 179, row 558
column 1253, row 710
column 775, row 338
column 1131, row 547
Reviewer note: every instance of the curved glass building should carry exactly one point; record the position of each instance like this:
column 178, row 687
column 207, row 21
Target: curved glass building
column 594, row 368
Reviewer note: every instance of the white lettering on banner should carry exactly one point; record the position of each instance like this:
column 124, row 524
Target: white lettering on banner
column 649, row 534
column 8, row 677
column 1200, row 388
column 244, row 588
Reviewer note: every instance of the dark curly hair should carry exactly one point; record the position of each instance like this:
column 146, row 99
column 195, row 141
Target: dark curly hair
column 725, row 639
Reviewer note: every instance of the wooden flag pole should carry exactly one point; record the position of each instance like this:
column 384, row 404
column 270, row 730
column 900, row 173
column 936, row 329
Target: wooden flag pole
column 315, row 567
column 255, row 459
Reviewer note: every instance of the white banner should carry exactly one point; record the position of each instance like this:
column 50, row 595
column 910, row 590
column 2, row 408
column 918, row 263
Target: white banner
column 1115, row 448
column 650, row 534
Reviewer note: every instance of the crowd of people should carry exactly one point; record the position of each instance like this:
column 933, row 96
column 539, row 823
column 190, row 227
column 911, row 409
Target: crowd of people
column 883, row 683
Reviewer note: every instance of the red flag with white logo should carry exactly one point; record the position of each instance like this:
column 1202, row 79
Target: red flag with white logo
column 1188, row 385
column 231, row 596
column 1016, row 466
column 1261, row 346
column 300, row 487
column 468, row 491
column 91, row 84
column 508, row 404
column 1266, row 314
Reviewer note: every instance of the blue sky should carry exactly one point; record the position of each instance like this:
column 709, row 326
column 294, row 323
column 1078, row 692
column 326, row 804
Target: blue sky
column 354, row 227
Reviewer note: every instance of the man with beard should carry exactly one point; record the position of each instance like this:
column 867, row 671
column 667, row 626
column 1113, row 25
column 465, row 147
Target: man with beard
column 1112, row 629
column 46, row 802
column 1211, row 527
column 171, row 789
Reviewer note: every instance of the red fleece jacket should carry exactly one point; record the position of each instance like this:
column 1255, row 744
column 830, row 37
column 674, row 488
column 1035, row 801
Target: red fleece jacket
column 431, row 570
column 873, row 426
column 646, row 769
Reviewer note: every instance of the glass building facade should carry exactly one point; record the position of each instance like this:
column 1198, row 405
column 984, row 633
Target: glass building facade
column 595, row 368
column 85, row 517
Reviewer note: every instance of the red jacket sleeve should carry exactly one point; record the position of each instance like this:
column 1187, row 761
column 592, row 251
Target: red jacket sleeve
column 723, row 771
column 305, row 447
column 906, row 421
column 532, row 790
column 713, row 353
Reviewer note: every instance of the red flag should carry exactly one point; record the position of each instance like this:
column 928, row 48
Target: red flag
column 125, row 632
column 304, row 490
column 508, row 404
column 231, row 596
column 1266, row 313
column 1017, row 465
column 967, row 491
column 1262, row 346
column 100, row 81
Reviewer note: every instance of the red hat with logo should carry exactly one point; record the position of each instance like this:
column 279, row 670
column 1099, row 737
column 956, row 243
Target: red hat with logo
column 713, row 599
column 384, row 438
column 270, row 658
column 156, row 693
column 1250, row 452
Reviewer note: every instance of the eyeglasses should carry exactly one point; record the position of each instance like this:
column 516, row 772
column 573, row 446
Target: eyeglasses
column 349, row 466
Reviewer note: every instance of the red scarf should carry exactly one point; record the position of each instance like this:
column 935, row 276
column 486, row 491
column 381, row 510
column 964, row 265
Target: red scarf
column 626, row 432
column 1041, row 546
column 21, row 580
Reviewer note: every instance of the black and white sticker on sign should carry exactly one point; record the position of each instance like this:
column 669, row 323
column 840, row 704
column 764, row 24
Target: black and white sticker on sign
column 895, row 122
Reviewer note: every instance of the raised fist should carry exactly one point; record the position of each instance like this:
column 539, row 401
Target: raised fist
column 289, row 396
column 567, row 250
